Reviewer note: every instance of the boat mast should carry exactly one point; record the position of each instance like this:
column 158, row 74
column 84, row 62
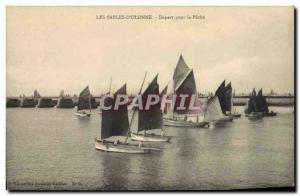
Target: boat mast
column 232, row 108
column 110, row 85
column 174, row 93
column 77, row 103
column 134, row 110
column 90, row 104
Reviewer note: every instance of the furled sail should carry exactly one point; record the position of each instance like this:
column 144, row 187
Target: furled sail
column 228, row 97
column 220, row 93
column 213, row 110
column 150, row 118
column 184, row 84
column 84, row 101
column 114, row 122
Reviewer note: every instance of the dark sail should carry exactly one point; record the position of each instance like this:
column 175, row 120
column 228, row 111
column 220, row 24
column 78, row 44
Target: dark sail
column 228, row 97
column 114, row 122
column 252, row 105
column 262, row 105
column 184, row 84
column 180, row 72
column 220, row 93
column 150, row 118
column 84, row 99
column 93, row 102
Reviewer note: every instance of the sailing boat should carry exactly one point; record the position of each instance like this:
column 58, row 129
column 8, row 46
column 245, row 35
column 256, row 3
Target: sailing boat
column 115, row 126
column 263, row 105
column 183, row 84
column 251, row 109
column 229, row 109
column 149, row 120
column 215, row 111
column 84, row 102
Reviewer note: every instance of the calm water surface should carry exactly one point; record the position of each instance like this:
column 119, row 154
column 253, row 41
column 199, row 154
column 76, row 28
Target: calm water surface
column 53, row 149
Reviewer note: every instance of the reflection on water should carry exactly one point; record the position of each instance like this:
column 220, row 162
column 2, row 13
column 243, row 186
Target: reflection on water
column 54, row 149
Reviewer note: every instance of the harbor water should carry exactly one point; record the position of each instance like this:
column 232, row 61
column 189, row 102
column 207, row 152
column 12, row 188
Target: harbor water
column 52, row 149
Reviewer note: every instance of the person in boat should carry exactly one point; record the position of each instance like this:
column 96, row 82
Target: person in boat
column 105, row 143
column 116, row 142
column 162, row 133
column 140, row 144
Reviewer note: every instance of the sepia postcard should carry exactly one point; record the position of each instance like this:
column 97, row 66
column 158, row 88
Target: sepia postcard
column 150, row 98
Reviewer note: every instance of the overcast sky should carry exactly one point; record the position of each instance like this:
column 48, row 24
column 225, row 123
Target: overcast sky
column 54, row 48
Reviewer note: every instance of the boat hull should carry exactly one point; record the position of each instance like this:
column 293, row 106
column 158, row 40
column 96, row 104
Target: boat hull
column 255, row 115
column 271, row 114
column 82, row 114
column 121, row 148
column 221, row 121
column 150, row 138
column 226, row 119
column 235, row 115
column 181, row 123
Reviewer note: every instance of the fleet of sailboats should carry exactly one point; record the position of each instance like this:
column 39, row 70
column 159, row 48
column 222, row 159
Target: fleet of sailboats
column 146, row 125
